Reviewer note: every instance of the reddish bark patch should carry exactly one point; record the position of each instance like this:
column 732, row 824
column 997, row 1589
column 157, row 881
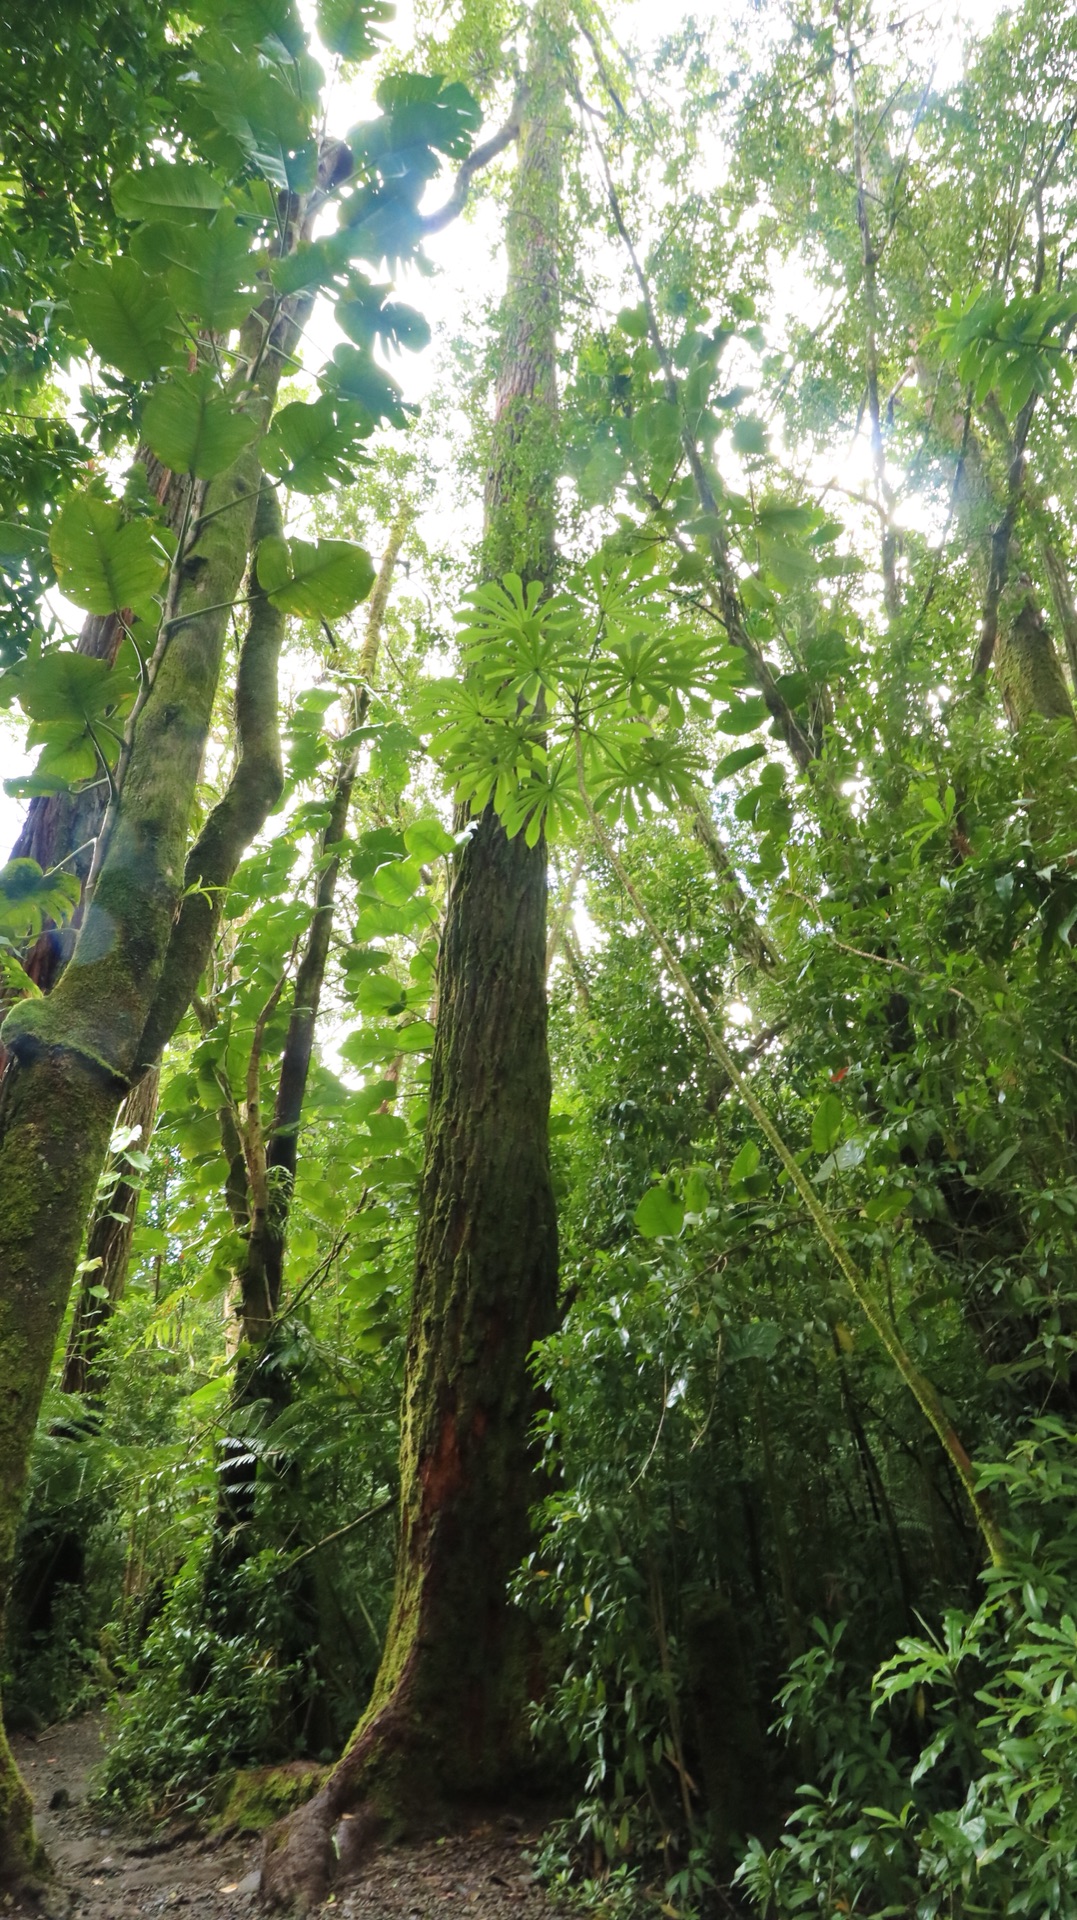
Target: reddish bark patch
column 441, row 1472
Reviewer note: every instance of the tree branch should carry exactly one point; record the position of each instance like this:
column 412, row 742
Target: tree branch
column 481, row 157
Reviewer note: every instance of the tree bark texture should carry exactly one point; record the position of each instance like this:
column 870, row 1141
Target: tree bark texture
column 1027, row 666
column 447, row 1717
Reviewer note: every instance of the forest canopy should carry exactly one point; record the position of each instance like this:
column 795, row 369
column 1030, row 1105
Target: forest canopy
column 538, row 1074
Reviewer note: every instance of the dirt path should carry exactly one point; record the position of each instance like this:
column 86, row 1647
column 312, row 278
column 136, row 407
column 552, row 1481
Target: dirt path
column 106, row 1873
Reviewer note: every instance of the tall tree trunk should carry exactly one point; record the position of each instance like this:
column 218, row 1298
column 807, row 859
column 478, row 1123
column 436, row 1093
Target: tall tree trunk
column 73, row 1054
column 448, row 1711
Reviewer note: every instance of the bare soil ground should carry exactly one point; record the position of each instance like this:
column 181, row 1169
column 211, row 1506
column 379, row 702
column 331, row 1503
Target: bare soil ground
column 105, row 1872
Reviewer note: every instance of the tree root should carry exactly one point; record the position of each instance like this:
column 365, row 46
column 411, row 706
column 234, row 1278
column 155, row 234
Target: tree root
column 374, row 1788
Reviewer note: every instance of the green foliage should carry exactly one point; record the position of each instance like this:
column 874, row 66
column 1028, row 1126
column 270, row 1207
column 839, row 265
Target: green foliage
column 105, row 561
column 320, row 579
column 192, row 428
column 953, row 1789
column 350, row 27
column 76, row 706
column 28, row 897
column 124, row 318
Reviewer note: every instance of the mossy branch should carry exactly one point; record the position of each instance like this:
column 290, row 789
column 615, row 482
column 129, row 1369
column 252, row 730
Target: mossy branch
column 253, row 791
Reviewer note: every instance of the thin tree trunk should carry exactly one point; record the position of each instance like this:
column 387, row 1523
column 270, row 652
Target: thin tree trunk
column 267, row 1199
column 108, row 1248
column 883, row 490
column 447, row 1714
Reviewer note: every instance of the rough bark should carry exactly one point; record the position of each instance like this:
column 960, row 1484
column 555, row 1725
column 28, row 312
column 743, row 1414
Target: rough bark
column 253, row 791
column 1027, row 666
column 1058, row 576
column 447, row 1714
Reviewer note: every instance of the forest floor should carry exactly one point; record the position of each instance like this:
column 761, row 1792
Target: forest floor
column 107, row 1872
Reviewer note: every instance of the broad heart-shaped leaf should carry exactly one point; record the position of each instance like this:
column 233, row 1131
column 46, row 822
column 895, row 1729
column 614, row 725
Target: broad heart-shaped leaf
column 28, row 897
column 421, row 109
column 126, row 319
column 102, row 563
column 60, row 686
column 76, row 706
column 319, row 579
column 365, row 316
column 166, row 189
column 659, row 1215
column 193, row 427
column 311, row 446
column 350, row 27
column 212, row 276
column 357, row 376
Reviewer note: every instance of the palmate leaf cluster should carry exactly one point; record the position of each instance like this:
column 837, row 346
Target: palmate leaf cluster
column 608, row 665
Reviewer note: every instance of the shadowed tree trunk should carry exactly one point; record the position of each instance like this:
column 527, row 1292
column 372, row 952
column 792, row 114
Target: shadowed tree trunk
column 108, row 1247
column 447, row 1717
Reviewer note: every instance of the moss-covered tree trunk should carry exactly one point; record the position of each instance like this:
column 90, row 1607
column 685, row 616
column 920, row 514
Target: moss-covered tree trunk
column 73, row 1055
column 448, row 1713
column 1027, row 664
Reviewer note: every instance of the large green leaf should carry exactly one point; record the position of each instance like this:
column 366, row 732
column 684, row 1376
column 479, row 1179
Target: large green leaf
column 166, row 189
column 102, row 562
column 28, row 897
column 212, row 273
column 126, row 319
column 350, row 27
column 313, row 446
column 75, row 704
column 319, row 579
column 419, row 108
column 365, row 315
column 315, row 264
column 660, row 1215
column 253, row 22
column 192, row 426
column 357, row 376
column 826, row 1123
